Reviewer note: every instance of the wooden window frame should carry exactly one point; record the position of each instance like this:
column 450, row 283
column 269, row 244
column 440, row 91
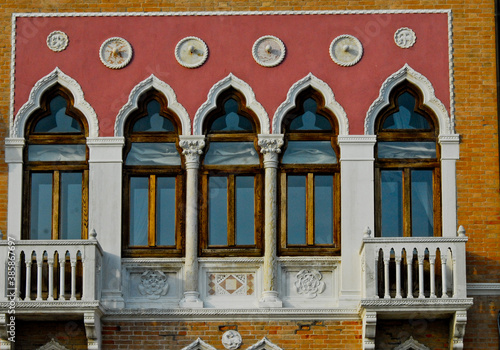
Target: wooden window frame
column 407, row 165
column 153, row 172
column 231, row 171
column 309, row 170
column 55, row 167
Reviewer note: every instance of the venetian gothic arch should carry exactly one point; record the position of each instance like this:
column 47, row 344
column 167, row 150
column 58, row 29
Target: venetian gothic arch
column 211, row 103
column 152, row 82
column 34, row 102
column 330, row 103
column 406, row 73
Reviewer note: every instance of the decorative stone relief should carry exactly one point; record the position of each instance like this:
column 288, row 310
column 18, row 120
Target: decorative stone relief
column 405, row 38
column 231, row 284
column 191, row 52
column 264, row 344
column 115, row 53
column 411, row 344
column 192, row 149
column 153, row 284
column 231, row 340
column 57, row 41
column 346, row 50
column 309, row 283
column 268, row 51
column 52, row 345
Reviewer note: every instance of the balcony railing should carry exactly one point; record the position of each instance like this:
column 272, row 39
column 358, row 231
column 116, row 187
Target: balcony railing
column 53, row 270
column 414, row 267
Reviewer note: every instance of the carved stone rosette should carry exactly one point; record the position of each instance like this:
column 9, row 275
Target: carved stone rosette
column 309, row 283
column 153, row 284
column 231, row 340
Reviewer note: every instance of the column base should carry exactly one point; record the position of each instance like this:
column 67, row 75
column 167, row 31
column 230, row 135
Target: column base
column 191, row 300
column 270, row 299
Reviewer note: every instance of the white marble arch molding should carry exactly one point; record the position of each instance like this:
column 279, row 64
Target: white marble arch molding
column 199, row 344
column 211, row 103
column 42, row 85
column 152, row 82
column 264, row 344
column 406, row 73
column 330, row 103
column 411, row 344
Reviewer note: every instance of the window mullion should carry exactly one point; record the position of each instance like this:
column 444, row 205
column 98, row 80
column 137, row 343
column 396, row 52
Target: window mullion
column 231, row 239
column 85, row 204
column 56, row 188
column 406, row 202
column 152, row 211
column 310, row 209
column 283, row 208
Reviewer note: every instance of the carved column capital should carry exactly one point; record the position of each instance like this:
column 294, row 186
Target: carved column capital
column 192, row 149
column 270, row 147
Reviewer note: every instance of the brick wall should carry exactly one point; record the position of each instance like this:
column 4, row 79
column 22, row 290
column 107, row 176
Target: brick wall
column 288, row 335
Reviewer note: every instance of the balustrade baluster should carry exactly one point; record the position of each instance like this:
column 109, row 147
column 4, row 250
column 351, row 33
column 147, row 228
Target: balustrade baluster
column 39, row 266
column 73, row 278
column 62, row 267
column 375, row 275
column 409, row 268
column 398, row 274
column 432, row 261
column 50, row 263
column 28, row 278
column 421, row 275
column 386, row 277
column 443, row 275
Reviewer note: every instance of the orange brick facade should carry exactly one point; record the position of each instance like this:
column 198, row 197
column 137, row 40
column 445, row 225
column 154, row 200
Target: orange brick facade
column 478, row 185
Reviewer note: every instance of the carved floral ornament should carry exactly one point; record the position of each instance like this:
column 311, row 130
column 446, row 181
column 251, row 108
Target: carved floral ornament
column 309, row 283
column 231, row 340
column 153, row 284
column 57, row 41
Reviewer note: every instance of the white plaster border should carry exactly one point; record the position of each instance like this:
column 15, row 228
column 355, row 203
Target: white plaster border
column 430, row 100
column 211, row 103
column 42, row 85
column 331, row 104
column 152, row 82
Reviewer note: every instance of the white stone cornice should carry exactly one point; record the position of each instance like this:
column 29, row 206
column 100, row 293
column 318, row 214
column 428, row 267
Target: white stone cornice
column 330, row 103
column 486, row 289
column 211, row 103
column 406, row 73
column 152, row 82
column 105, row 149
column 14, row 150
column 42, row 85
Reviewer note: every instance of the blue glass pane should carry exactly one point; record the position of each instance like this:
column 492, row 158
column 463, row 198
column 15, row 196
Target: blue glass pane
column 153, row 122
column 323, row 209
column 232, row 153
column 217, row 210
column 392, row 203
column 56, row 153
column 71, row 206
column 165, row 211
column 406, row 117
column 139, row 189
column 58, row 121
column 309, row 152
column 400, row 150
column 231, row 120
column 422, row 213
column 310, row 120
column 244, row 210
column 149, row 153
column 296, row 209
column 41, row 206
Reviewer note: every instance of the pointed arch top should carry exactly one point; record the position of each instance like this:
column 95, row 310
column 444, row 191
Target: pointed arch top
column 199, row 344
column 211, row 103
column 406, row 73
column 330, row 103
column 41, row 86
column 152, row 82
column 264, row 344
column 411, row 344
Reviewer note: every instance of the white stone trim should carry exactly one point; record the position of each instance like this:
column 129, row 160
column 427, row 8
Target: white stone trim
column 199, row 344
column 411, row 344
column 483, row 289
column 52, row 345
column 331, row 104
column 264, row 344
column 42, row 85
column 165, row 89
column 211, row 103
column 430, row 100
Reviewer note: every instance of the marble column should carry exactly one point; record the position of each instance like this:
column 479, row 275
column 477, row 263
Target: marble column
column 270, row 148
column 192, row 149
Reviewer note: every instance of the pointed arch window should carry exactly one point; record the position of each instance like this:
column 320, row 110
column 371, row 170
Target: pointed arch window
column 407, row 167
column 153, row 180
column 231, row 180
column 56, row 170
column 310, row 179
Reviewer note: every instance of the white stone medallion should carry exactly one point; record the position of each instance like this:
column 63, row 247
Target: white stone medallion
column 191, row 52
column 115, row 53
column 346, row 50
column 405, row 38
column 231, row 340
column 268, row 51
column 57, row 41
